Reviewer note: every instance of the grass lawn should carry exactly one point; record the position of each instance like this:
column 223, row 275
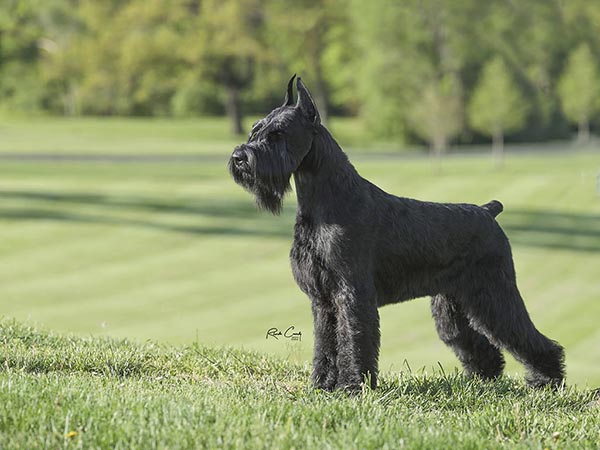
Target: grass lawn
column 114, row 136
column 65, row 392
column 175, row 252
column 130, row 136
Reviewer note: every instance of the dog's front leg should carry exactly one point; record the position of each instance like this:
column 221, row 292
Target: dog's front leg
column 325, row 372
column 358, row 341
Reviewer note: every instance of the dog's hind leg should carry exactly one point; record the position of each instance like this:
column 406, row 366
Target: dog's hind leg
column 496, row 309
column 475, row 352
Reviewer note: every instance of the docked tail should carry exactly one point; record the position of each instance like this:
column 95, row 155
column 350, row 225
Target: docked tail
column 494, row 207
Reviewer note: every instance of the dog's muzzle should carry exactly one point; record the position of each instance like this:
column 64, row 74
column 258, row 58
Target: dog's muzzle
column 239, row 156
column 240, row 159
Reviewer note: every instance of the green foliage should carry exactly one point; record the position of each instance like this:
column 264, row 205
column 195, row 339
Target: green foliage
column 388, row 72
column 228, row 34
column 228, row 50
column 20, row 88
column 437, row 114
column 19, row 55
column 318, row 44
column 67, row 392
column 194, row 98
column 497, row 105
column 379, row 59
column 579, row 86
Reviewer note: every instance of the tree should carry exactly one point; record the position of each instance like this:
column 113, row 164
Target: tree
column 136, row 77
column 533, row 54
column 316, row 44
column 579, row 90
column 20, row 88
column 60, row 62
column 437, row 114
column 227, row 49
column 497, row 106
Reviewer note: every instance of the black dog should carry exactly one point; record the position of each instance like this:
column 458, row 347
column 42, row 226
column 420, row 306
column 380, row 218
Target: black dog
column 357, row 247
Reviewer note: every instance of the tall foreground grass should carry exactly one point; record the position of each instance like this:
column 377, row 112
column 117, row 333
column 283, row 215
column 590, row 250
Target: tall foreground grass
column 60, row 391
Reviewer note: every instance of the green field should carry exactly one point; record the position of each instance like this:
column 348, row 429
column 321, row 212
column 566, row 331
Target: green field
column 129, row 136
column 175, row 251
column 65, row 392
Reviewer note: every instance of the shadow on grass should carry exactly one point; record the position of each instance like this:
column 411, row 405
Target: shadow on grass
column 218, row 207
column 456, row 392
column 524, row 227
column 234, row 217
column 552, row 229
column 441, row 386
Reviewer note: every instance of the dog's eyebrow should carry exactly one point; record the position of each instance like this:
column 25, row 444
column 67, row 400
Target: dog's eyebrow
column 258, row 125
column 255, row 128
column 276, row 125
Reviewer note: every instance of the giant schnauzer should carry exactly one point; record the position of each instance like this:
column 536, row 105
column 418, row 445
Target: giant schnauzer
column 357, row 248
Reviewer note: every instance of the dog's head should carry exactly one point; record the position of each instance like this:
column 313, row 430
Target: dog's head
column 276, row 146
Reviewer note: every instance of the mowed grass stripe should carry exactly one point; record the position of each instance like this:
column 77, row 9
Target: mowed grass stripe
column 118, row 267
column 128, row 283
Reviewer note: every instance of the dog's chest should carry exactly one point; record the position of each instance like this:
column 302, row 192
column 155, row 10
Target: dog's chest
column 314, row 255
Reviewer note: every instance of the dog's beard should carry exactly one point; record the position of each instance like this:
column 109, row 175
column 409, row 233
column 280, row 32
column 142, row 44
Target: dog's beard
column 266, row 176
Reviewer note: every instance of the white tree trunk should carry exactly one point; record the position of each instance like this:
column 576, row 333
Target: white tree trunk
column 583, row 134
column 498, row 147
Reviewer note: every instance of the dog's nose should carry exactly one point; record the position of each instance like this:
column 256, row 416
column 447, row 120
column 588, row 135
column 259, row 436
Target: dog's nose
column 239, row 156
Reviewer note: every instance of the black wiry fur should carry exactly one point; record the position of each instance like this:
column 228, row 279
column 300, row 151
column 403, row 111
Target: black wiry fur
column 357, row 248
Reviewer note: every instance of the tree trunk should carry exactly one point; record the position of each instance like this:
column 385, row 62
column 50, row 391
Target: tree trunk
column 321, row 96
column 583, row 134
column 234, row 110
column 438, row 148
column 70, row 101
column 321, row 100
column 498, row 147
column 315, row 49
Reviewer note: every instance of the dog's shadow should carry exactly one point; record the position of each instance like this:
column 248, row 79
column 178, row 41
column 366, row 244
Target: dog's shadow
column 445, row 389
column 456, row 391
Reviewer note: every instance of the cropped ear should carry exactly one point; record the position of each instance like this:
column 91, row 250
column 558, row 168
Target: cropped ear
column 306, row 104
column 289, row 95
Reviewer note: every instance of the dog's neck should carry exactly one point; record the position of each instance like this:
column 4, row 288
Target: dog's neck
column 324, row 172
